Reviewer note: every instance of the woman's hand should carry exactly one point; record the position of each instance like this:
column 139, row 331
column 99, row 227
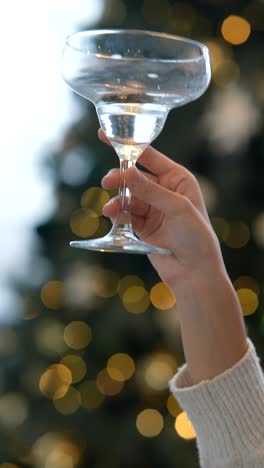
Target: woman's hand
column 167, row 210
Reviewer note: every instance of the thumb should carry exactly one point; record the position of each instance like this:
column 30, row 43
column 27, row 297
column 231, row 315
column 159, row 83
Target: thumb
column 169, row 203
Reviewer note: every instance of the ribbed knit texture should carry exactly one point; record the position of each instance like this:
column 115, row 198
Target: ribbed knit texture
column 227, row 413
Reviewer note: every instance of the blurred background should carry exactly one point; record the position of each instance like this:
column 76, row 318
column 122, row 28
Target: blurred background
column 88, row 341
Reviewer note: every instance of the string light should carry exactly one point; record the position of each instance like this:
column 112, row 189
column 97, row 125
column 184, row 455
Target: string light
column 136, row 299
column 173, row 406
column 94, row 199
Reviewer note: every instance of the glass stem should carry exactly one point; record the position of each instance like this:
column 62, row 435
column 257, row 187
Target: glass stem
column 122, row 224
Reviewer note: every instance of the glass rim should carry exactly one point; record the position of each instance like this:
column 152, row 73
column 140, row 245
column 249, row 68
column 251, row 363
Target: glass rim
column 176, row 38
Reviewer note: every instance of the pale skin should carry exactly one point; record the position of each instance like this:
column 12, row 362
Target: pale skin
column 168, row 211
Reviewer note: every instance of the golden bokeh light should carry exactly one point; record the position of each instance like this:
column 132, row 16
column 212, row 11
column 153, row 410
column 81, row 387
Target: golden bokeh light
column 248, row 300
column 52, row 294
column 150, row 423
column 77, row 335
column 237, row 236
column 52, row 450
column 91, row 397
column 158, row 369
column 106, row 283
column 184, row 427
column 103, row 228
column 106, row 385
column 76, row 365
column 247, row 282
column 173, row 406
column 69, row 403
column 129, row 281
column 94, row 199
column 48, row 335
column 136, row 299
column 235, row 30
column 162, row 297
column 84, row 223
column 13, row 410
column 228, row 72
column 120, row 367
column 55, row 381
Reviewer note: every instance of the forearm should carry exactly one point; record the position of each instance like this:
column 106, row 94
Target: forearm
column 212, row 325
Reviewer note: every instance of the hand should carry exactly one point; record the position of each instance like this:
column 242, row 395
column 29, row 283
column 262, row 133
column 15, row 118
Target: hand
column 167, row 210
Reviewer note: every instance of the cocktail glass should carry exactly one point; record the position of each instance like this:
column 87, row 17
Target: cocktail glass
column 134, row 78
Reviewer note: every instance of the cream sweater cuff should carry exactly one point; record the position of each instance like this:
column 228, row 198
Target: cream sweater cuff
column 227, row 412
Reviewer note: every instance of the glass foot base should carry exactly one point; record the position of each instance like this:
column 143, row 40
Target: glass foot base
column 124, row 243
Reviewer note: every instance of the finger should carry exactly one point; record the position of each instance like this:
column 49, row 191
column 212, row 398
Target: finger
column 137, row 207
column 151, row 158
column 145, row 189
column 112, row 179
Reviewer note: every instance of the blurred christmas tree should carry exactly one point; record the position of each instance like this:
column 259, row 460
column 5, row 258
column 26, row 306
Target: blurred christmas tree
column 86, row 371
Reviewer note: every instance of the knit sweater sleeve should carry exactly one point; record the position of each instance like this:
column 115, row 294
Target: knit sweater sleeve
column 227, row 413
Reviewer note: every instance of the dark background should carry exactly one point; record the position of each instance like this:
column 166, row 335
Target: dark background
column 219, row 138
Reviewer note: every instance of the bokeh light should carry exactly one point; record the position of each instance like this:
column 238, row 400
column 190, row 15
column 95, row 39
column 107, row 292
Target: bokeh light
column 228, row 72
column 173, row 406
column 52, row 294
column 248, row 300
column 184, row 427
column 94, row 199
column 237, row 236
column 258, row 229
column 69, row 403
column 235, row 30
column 129, row 281
column 14, row 410
column 136, row 299
column 154, row 371
column 48, row 335
column 91, row 397
column 149, row 423
column 247, row 282
column 84, row 223
column 76, row 365
column 53, row 450
column 120, row 367
column 55, row 381
column 162, row 297
column 106, row 385
column 221, row 227
column 77, row 335
column 158, row 369
column 106, row 283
